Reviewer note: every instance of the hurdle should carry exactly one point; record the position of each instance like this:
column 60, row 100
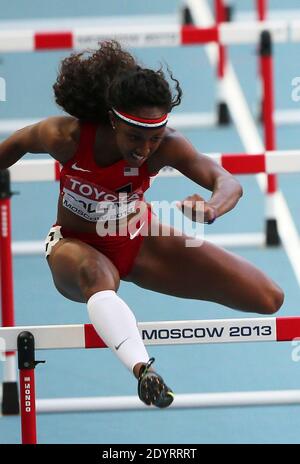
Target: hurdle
column 144, row 35
column 26, row 340
column 269, row 162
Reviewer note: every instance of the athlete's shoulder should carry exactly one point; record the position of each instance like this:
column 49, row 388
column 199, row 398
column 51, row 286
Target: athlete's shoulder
column 174, row 138
column 61, row 135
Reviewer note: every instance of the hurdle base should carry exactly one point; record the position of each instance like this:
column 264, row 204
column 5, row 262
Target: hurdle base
column 10, row 399
column 272, row 235
column 229, row 13
column 260, row 114
column 186, row 16
column 223, row 114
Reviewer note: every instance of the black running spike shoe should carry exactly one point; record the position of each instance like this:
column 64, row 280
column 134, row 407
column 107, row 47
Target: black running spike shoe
column 152, row 388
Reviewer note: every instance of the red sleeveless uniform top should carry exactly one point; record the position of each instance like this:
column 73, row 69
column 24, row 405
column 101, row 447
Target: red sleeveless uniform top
column 94, row 192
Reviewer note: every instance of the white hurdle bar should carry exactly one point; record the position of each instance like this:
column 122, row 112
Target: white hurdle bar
column 257, row 329
column 165, row 333
column 144, row 35
column 181, row 401
column 272, row 162
column 178, row 121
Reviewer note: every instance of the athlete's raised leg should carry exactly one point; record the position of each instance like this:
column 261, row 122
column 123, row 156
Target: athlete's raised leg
column 207, row 272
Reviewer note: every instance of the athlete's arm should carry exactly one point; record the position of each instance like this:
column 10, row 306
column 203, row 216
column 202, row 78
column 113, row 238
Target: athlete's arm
column 226, row 190
column 57, row 136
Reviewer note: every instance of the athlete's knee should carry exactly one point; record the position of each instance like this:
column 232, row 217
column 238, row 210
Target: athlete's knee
column 272, row 300
column 96, row 275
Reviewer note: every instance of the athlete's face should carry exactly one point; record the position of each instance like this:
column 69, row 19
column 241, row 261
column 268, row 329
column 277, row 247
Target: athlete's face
column 137, row 144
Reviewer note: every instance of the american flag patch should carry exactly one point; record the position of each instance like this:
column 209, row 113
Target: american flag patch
column 129, row 171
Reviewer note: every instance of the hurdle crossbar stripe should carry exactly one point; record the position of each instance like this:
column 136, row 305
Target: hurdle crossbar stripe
column 181, row 401
column 162, row 333
column 143, row 35
column 270, row 162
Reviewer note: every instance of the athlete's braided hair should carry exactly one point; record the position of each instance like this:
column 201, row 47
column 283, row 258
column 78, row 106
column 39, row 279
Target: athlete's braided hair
column 90, row 83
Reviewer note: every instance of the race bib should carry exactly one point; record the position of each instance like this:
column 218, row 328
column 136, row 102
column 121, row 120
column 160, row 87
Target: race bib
column 95, row 203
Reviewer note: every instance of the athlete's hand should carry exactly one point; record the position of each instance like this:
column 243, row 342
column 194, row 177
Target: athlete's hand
column 197, row 209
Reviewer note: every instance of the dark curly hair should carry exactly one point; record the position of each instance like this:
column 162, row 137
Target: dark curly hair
column 90, row 83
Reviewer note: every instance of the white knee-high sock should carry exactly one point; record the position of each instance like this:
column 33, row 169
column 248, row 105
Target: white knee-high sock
column 115, row 323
